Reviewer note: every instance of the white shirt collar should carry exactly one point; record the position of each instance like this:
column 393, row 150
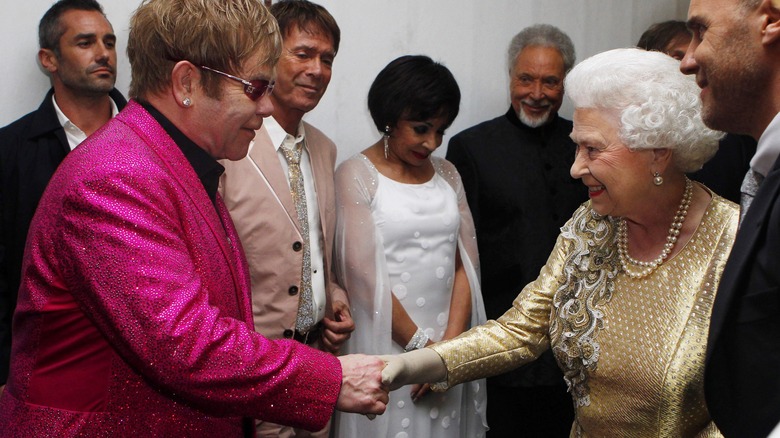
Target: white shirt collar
column 74, row 134
column 768, row 148
column 279, row 136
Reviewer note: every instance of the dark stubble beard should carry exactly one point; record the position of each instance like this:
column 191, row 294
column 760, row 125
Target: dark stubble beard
column 734, row 83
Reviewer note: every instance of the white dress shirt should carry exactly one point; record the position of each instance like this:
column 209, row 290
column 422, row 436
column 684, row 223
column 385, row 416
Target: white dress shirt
column 74, row 134
column 768, row 148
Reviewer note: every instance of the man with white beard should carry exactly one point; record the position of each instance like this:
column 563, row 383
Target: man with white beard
column 515, row 171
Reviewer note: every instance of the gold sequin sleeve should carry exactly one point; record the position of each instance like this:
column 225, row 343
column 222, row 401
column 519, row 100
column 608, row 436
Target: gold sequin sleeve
column 517, row 337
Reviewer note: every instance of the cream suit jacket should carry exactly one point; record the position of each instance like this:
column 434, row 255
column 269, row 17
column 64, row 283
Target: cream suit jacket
column 257, row 194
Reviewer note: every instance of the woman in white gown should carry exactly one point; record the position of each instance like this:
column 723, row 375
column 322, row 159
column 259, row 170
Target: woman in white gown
column 406, row 249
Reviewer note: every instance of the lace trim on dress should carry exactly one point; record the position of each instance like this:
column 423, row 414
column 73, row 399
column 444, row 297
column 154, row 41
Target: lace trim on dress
column 587, row 285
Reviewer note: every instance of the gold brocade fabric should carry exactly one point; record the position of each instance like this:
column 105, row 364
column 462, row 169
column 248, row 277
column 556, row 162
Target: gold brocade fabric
column 632, row 350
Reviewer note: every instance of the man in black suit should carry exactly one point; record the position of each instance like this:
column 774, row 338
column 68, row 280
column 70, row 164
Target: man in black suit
column 735, row 55
column 515, row 170
column 77, row 50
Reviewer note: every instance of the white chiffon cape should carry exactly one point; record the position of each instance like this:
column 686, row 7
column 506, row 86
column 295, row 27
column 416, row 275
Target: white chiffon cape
column 359, row 259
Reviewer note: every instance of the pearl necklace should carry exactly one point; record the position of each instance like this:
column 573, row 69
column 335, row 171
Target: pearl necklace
column 674, row 231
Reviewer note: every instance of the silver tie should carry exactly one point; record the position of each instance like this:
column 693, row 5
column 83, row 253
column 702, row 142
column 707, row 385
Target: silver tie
column 305, row 320
column 749, row 189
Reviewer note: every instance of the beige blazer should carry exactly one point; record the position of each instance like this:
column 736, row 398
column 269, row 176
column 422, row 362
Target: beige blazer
column 257, row 195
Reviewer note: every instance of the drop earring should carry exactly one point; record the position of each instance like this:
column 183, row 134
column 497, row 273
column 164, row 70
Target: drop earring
column 657, row 179
column 186, row 102
column 386, row 138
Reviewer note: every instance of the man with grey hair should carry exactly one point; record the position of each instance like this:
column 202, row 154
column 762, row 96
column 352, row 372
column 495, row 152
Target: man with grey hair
column 515, row 170
column 735, row 55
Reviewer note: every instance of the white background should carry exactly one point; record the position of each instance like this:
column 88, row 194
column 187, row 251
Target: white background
column 469, row 36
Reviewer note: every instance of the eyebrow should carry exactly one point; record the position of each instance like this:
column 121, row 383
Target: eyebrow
column 312, row 50
column 584, row 137
column 82, row 36
column 694, row 22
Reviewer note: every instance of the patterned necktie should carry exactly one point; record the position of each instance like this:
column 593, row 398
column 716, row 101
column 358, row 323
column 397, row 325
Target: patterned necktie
column 749, row 189
column 305, row 320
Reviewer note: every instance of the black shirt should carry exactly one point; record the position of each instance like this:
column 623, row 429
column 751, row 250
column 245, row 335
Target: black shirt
column 205, row 166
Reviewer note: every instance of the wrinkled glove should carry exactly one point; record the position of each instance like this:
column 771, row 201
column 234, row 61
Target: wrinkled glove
column 418, row 366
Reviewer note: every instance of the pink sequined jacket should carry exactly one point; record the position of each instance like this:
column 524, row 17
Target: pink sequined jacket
column 134, row 313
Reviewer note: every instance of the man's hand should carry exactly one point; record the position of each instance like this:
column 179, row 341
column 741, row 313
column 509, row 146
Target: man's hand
column 338, row 330
column 362, row 390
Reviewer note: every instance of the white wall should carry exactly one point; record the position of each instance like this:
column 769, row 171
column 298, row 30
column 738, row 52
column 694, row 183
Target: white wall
column 468, row 36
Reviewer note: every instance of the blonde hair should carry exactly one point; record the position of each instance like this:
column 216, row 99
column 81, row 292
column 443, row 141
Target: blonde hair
column 218, row 34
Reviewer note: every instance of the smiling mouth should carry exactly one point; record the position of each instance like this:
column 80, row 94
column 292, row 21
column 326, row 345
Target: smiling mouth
column 310, row 89
column 595, row 190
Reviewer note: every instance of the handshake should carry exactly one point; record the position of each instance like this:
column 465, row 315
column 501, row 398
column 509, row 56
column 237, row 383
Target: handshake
column 367, row 380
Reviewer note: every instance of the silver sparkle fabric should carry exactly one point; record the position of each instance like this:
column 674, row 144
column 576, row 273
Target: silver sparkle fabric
column 749, row 189
column 305, row 319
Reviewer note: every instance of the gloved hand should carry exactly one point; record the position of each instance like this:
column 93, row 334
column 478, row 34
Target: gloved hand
column 418, row 366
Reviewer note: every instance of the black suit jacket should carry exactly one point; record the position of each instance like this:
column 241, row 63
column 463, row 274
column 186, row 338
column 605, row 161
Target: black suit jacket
column 742, row 374
column 520, row 191
column 31, row 149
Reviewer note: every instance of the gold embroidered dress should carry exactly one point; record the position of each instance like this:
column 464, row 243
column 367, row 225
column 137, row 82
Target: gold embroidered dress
column 632, row 350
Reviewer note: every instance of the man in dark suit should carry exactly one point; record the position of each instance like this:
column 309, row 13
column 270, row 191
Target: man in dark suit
column 735, row 55
column 515, row 170
column 77, row 49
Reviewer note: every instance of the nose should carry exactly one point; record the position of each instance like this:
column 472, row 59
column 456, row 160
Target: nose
column 688, row 64
column 102, row 51
column 264, row 107
column 432, row 141
column 315, row 66
column 579, row 168
column 537, row 91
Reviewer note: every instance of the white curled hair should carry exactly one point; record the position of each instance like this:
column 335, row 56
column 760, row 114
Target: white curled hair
column 657, row 105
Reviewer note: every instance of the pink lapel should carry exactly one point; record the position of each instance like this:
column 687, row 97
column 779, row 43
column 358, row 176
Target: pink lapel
column 238, row 260
column 159, row 142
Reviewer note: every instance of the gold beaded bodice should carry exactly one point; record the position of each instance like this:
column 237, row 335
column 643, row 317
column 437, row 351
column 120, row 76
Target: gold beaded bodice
column 632, row 350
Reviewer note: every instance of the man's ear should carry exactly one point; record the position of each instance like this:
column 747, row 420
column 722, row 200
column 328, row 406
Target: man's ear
column 48, row 60
column 770, row 33
column 183, row 76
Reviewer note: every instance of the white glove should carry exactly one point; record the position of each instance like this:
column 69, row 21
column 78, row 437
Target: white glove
column 418, row 366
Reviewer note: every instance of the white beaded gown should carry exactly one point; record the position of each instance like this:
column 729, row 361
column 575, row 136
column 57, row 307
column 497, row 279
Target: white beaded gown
column 416, row 229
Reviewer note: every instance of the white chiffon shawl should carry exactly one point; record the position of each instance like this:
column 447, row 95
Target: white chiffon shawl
column 359, row 260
